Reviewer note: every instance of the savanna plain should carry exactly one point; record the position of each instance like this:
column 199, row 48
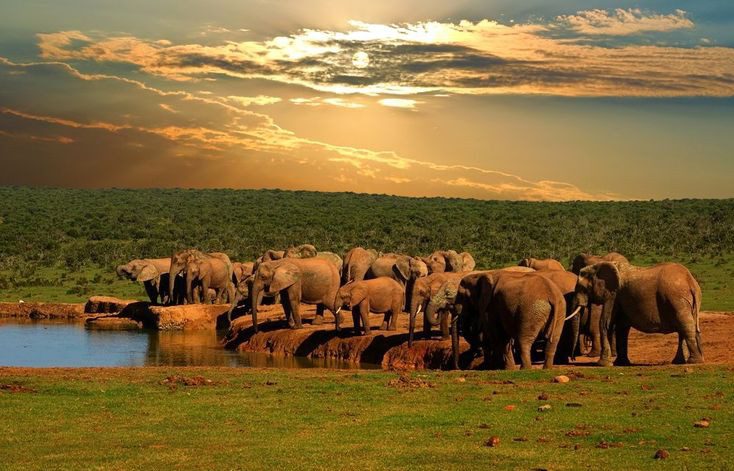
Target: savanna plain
column 62, row 246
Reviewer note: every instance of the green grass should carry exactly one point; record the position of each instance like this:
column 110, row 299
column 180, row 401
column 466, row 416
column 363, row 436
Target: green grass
column 319, row 419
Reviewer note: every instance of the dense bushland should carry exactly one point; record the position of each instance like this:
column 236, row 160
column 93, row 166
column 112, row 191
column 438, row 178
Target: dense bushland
column 49, row 233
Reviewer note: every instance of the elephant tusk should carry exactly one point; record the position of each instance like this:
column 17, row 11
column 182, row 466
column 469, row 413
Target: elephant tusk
column 337, row 311
column 574, row 313
column 420, row 307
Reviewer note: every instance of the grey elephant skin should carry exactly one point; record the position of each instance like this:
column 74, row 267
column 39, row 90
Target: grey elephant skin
column 442, row 261
column 179, row 261
column 381, row 295
column 541, row 264
column 591, row 315
column 423, row 290
column 297, row 280
column 209, row 274
column 664, row 298
column 357, row 263
column 153, row 273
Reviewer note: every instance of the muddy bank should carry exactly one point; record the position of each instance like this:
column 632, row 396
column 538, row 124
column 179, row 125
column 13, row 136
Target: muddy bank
column 386, row 348
column 143, row 315
column 390, row 348
column 39, row 310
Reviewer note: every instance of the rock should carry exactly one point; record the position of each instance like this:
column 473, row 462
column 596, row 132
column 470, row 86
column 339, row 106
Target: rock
column 188, row 317
column 561, row 379
column 703, row 423
column 113, row 322
column 105, row 305
column 544, row 408
column 492, row 442
column 543, row 397
column 662, row 454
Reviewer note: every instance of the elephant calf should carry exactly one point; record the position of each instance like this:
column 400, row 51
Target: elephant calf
column 380, row 295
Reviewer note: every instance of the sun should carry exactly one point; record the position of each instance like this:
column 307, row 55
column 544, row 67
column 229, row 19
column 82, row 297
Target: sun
column 361, row 60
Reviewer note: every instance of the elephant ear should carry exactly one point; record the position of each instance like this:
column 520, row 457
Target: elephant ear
column 285, row 275
column 419, row 267
column 607, row 280
column 149, row 272
column 357, row 294
column 307, row 251
column 454, row 262
column 402, row 268
column 468, row 263
column 482, row 296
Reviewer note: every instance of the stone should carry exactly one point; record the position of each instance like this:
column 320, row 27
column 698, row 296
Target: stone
column 561, row 379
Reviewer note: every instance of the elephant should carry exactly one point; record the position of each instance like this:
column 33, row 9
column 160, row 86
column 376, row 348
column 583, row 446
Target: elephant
column 153, row 272
column 241, row 271
column 180, row 260
column 449, row 261
column 402, row 268
column 583, row 260
column 664, row 298
column 298, row 280
column 566, row 282
column 423, row 290
column 447, row 298
column 380, row 295
column 541, row 264
column 209, row 273
column 590, row 316
column 357, row 263
column 301, row 251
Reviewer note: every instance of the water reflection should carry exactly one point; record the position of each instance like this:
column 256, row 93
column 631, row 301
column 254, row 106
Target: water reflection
column 61, row 343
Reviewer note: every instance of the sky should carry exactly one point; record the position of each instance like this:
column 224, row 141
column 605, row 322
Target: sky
column 532, row 100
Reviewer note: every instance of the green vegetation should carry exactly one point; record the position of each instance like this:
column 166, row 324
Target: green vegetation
column 62, row 245
column 316, row 419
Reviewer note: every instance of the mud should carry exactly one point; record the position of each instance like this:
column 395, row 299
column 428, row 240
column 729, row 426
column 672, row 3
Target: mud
column 390, row 348
column 36, row 310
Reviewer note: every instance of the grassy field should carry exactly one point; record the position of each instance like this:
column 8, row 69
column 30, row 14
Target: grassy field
column 319, row 419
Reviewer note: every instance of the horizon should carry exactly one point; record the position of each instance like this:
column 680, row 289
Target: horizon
column 544, row 101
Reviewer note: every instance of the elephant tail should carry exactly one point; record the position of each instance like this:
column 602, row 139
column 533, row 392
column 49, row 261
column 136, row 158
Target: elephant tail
column 551, row 322
column 696, row 308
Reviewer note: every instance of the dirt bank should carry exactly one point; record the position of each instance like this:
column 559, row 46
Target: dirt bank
column 390, row 348
column 35, row 310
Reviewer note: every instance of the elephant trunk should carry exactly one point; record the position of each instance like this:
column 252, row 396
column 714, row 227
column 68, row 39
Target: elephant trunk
column 122, row 270
column 432, row 313
column 455, row 342
column 256, row 297
column 190, row 290
column 172, row 274
column 415, row 308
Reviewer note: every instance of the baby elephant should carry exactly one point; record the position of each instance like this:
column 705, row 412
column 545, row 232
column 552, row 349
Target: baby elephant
column 380, row 295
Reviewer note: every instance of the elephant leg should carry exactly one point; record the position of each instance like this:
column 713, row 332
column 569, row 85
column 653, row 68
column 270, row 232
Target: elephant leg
column 319, row 319
column 680, row 354
column 397, row 308
column 356, row 319
column 507, row 355
column 550, row 351
column 444, row 325
column 287, row 310
column 595, row 334
column 386, row 321
column 604, row 334
column 364, row 310
column 525, row 360
column 294, row 299
column 693, row 342
column 426, row 325
column 622, row 332
column 151, row 291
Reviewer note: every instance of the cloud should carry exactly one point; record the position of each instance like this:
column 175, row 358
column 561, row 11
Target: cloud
column 399, row 103
column 621, row 22
column 484, row 57
column 231, row 145
column 260, row 100
column 333, row 101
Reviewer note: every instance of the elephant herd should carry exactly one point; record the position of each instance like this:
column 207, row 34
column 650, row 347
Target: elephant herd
column 503, row 314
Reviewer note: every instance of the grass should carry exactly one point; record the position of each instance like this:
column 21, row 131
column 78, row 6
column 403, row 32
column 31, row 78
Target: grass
column 338, row 419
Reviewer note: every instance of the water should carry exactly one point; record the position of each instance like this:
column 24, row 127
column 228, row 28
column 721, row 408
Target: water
column 69, row 344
